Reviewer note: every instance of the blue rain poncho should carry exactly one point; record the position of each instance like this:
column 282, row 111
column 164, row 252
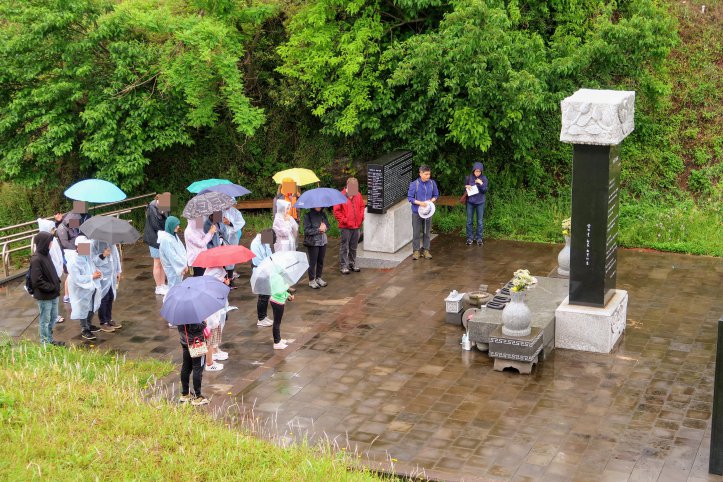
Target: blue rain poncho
column 109, row 267
column 173, row 257
column 81, row 285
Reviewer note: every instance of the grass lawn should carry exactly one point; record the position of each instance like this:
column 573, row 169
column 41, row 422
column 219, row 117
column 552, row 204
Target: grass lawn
column 75, row 414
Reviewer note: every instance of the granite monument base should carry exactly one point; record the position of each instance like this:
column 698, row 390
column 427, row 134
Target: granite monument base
column 388, row 232
column 588, row 328
column 518, row 352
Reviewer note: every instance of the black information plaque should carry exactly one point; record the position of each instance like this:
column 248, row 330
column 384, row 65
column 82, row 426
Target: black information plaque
column 595, row 212
column 388, row 180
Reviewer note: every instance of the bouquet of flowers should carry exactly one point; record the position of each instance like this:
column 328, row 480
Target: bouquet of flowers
column 522, row 280
column 566, row 226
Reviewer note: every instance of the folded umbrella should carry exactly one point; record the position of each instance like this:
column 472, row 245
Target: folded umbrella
column 110, row 229
column 301, row 176
column 194, row 300
column 207, row 204
column 201, row 185
column 233, row 190
column 223, row 256
column 320, row 197
column 95, row 191
column 279, row 269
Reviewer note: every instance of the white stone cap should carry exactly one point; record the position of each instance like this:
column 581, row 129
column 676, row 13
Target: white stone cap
column 598, row 117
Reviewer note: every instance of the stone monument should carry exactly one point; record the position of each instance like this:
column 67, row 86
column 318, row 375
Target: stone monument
column 388, row 218
column 595, row 122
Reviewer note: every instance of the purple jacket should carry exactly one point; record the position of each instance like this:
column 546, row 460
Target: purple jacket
column 478, row 198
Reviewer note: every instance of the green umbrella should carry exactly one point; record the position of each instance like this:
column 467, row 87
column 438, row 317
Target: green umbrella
column 199, row 186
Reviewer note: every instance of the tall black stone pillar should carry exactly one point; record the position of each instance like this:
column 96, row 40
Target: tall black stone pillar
column 595, row 209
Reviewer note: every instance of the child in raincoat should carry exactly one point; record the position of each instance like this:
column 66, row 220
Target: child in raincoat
column 107, row 259
column 83, row 287
column 262, row 251
column 285, row 227
column 172, row 252
column 279, row 296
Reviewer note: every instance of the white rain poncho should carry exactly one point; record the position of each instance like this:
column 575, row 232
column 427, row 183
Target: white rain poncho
column 218, row 318
column 261, row 250
column 81, row 285
column 173, row 257
column 56, row 252
column 235, row 229
column 286, row 228
column 109, row 267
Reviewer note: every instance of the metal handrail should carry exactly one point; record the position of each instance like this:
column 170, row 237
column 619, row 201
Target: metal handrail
column 25, row 235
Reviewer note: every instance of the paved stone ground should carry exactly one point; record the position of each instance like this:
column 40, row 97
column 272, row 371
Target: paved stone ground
column 375, row 368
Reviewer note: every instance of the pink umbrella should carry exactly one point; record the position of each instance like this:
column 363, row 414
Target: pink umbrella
column 223, row 256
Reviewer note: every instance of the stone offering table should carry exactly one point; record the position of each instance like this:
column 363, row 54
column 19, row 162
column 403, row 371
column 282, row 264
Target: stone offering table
column 542, row 300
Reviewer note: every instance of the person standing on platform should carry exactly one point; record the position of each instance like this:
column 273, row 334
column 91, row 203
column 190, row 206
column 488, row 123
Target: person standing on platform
column 422, row 191
column 350, row 217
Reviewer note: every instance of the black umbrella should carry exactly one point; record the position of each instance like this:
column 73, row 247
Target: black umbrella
column 110, row 229
column 207, row 204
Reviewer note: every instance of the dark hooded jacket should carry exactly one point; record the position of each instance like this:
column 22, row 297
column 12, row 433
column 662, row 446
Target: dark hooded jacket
column 43, row 277
column 478, row 198
column 155, row 221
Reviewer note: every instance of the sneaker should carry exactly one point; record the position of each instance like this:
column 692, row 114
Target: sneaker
column 265, row 322
column 280, row 346
column 291, row 291
column 185, row 398
column 220, row 356
column 216, row 367
column 290, row 340
column 66, row 299
column 88, row 335
column 199, row 400
column 231, row 308
column 57, row 343
column 479, row 242
column 427, row 254
column 105, row 328
column 415, row 255
column 115, row 324
column 355, row 269
column 469, row 242
column 59, row 319
column 321, row 282
column 94, row 329
column 170, row 326
column 313, row 284
column 162, row 289
column 345, row 271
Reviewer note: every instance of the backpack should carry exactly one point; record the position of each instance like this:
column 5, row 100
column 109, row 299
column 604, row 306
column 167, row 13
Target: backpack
column 28, row 284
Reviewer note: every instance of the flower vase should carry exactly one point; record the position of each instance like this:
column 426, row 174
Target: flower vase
column 563, row 259
column 516, row 317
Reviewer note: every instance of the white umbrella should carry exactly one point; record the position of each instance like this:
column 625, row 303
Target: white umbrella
column 279, row 271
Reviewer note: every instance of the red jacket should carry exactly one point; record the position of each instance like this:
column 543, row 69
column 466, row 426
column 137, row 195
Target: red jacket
column 351, row 214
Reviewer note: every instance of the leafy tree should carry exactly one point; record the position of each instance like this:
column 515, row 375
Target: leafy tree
column 94, row 86
column 469, row 75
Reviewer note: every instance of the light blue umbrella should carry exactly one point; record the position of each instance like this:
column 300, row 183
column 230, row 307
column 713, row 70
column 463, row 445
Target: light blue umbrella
column 95, row 191
column 321, row 197
column 199, row 186
column 233, row 190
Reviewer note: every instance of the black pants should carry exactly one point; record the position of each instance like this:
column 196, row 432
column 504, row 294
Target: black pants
column 85, row 323
column 316, row 261
column 262, row 306
column 105, row 312
column 197, row 365
column 278, row 314
column 198, row 271
column 347, row 247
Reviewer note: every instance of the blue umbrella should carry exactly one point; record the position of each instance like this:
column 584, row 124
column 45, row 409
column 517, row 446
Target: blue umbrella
column 200, row 185
column 233, row 190
column 194, row 300
column 320, row 197
column 95, row 191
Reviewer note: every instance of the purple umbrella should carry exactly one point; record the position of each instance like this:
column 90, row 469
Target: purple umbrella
column 194, row 300
column 320, row 197
column 233, row 190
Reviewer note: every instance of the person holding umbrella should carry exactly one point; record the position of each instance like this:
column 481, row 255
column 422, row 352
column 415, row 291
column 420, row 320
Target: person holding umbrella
column 106, row 258
column 155, row 222
column 172, row 252
column 315, row 226
column 84, row 286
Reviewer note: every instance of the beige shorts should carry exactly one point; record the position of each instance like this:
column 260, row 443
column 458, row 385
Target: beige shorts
column 215, row 339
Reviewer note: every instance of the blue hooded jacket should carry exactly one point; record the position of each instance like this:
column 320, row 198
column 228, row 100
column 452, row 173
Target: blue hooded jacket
column 478, row 198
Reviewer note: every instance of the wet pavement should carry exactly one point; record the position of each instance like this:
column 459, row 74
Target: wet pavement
column 375, row 369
